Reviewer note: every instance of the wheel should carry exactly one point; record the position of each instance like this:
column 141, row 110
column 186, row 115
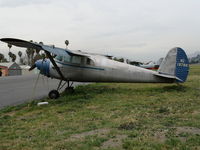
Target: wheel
column 54, row 94
column 69, row 90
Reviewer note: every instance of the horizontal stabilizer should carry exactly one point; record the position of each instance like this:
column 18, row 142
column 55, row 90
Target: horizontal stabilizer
column 168, row 76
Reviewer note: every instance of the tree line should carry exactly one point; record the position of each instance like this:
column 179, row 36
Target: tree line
column 195, row 60
column 30, row 56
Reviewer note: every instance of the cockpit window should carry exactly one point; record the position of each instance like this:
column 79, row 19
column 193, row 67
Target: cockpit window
column 59, row 58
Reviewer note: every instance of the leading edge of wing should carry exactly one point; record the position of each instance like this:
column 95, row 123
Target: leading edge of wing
column 26, row 44
column 21, row 43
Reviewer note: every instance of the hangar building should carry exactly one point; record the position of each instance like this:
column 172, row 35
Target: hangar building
column 10, row 69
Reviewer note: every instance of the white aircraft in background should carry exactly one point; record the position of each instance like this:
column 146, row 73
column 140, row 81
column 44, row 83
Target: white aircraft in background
column 79, row 66
column 152, row 65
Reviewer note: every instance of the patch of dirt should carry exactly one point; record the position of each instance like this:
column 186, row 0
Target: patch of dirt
column 195, row 112
column 179, row 132
column 160, row 136
column 92, row 107
column 81, row 136
column 115, row 142
column 11, row 114
column 129, row 126
column 190, row 130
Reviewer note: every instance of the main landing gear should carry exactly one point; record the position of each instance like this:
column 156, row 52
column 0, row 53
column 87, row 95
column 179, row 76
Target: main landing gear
column 54, row 94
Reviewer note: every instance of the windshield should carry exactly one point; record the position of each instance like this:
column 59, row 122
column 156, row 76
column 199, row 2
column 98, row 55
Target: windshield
column 59, row 58
column 67, row 58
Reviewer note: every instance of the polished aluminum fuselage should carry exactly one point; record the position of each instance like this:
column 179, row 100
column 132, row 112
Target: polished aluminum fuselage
column 106, row 70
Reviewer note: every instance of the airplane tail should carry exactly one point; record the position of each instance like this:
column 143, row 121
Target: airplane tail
column 175, row 65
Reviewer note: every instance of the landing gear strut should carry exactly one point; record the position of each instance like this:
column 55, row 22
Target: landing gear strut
column 54, row 94
column 69, row 88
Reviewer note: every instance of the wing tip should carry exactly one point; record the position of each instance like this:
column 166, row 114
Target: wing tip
column 3, row 39
column 10, row 39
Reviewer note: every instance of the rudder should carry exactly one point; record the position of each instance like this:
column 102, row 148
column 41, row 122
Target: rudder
column 175, row 64
column 182, row 65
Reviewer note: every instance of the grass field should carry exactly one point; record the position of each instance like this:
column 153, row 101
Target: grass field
column 109, row 116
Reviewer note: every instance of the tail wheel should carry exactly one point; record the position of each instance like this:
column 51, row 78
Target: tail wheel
column 54, row 94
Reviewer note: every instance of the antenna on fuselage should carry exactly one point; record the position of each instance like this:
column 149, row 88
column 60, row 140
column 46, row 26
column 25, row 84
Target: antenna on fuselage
column 66, row 43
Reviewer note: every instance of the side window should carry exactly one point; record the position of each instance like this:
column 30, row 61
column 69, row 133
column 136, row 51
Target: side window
column 67, row 58
column 89, row 62
column 76, row 59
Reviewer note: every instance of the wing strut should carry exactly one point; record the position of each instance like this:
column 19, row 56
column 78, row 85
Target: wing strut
column 55, row 65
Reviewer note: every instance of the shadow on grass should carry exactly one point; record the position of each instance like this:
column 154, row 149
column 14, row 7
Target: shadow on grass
column 167, row 88
column 177, row 88
column 86, row 93
column 102, row 89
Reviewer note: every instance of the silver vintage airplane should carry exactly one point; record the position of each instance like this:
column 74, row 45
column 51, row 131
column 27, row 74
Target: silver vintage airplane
column 79, row 66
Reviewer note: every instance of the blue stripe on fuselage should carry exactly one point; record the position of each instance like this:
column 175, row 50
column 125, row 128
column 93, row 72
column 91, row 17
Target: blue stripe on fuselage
column 80, row 66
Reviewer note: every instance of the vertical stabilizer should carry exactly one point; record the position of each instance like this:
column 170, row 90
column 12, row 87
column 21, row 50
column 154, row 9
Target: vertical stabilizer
column 175, row 64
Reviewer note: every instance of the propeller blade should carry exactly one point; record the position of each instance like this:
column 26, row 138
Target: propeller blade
column 32, row 67
column 35, row 85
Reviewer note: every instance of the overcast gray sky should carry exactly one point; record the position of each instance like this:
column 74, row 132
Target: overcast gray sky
column 136, row 29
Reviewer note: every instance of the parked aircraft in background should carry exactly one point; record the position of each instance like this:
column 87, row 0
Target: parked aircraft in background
column 80, row 66
column 152, row 65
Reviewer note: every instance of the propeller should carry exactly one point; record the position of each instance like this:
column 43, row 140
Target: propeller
column 35, row 85
column 41, row 66
column 32, row 67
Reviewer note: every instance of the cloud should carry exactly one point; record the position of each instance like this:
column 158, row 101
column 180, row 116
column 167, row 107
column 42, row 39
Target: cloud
column 129, row 28
column 18, row 3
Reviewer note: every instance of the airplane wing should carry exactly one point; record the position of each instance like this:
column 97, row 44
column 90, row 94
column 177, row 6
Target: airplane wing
column 48, row 50
column 26, row 44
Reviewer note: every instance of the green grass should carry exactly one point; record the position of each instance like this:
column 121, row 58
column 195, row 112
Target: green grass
column 109, row 116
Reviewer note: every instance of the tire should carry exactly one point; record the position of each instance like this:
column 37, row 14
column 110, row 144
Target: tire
column 54, row 94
